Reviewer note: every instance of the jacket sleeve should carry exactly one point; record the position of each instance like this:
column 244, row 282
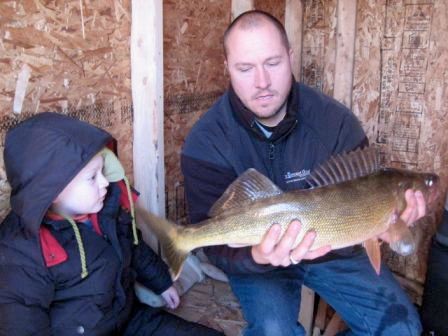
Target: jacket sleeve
column 25, row 298
column 151, row 270
column 204, row 184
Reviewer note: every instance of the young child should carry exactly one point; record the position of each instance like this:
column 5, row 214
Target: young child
column 69, row 249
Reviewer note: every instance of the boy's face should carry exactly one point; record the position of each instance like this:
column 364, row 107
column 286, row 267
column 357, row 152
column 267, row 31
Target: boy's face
column 85, row 193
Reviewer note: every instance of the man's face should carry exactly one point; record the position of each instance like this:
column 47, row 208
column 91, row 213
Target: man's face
column 259, row 65
column 85, row 193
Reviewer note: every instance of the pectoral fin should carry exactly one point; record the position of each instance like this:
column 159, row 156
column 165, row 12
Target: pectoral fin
column 373, row 250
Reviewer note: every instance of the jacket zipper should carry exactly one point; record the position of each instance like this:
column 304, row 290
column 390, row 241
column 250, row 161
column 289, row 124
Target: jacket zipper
column 271, row 156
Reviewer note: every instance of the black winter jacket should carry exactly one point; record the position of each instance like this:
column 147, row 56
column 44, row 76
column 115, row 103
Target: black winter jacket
column 41, row 289
column 227, row 141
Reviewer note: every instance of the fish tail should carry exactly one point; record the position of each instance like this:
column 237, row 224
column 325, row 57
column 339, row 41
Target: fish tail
column 170, row 238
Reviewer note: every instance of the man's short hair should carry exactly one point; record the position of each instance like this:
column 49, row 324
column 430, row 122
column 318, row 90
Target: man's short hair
column 252, row 19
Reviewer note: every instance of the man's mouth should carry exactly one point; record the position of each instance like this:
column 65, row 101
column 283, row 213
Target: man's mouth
column 264, row 97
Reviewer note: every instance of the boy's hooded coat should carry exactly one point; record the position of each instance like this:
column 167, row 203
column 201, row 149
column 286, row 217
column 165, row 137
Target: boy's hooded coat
column 41, row 289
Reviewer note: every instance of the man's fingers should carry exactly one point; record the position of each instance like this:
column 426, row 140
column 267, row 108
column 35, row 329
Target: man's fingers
column 270, row 239
column 321, row 251
column 421, row 204
column 304, row 246
column 287, row 241
column 415, row 207
column 409, row 213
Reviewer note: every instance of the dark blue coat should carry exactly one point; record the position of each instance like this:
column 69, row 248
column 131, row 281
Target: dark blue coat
column 41, row 289
column 227, row 141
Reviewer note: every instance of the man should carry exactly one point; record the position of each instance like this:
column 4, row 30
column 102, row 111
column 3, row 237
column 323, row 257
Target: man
column 284, row 130
column 434, row 310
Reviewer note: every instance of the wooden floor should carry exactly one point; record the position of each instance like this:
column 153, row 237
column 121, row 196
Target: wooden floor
column 213, row 304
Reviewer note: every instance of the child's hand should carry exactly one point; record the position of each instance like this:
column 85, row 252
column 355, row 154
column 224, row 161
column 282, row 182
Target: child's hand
column 171, row 297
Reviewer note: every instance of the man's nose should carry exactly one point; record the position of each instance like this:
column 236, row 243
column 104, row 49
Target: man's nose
column 262, row 78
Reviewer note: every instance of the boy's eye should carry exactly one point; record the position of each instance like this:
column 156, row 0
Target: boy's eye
column 272, row 64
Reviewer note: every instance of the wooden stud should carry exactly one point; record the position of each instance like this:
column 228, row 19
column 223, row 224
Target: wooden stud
column 241, row 6
column 345, row 48
column 293, row 26
column 321, row 315
column 307, row 309
column 147, row 96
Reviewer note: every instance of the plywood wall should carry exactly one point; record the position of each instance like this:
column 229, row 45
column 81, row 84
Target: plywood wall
column 70, row 57
column 194, row 76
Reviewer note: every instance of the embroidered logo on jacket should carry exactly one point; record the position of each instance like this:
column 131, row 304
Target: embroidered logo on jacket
column 296, row 176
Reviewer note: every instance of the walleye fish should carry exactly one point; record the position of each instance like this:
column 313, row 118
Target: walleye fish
column 352, row 200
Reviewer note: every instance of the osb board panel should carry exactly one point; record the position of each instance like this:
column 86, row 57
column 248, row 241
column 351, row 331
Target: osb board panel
column 274, row 7
column 367, row 74
column 400, row 90
column 319, row 44
column 77, row 55
column 193, row 57
column 194, row 77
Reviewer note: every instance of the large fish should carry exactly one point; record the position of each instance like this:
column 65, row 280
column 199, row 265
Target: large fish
column 352, row 200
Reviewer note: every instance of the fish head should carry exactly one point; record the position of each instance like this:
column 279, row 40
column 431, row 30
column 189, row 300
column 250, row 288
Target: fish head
column 427, row 183
column 401, row 239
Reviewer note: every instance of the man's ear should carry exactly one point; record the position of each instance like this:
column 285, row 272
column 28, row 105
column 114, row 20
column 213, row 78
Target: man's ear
column 291, row 55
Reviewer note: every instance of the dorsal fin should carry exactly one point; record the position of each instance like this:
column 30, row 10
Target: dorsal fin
column 248, row 187
column 345, row 167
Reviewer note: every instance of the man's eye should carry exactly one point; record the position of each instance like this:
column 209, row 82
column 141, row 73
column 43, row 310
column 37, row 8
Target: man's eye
column 244, row 69
column 273, row 64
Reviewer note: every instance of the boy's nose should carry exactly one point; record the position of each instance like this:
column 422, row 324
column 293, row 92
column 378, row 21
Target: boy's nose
column 103, row 182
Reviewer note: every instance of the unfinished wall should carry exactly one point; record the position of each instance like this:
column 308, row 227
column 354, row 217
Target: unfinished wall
column 274, row 7
column 194, row 76
column 70, row 57
column 318, row 49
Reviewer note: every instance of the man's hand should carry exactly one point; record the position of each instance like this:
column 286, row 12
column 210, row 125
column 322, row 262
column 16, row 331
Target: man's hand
column 415, row 209
column 171, row 297
column 277, row 252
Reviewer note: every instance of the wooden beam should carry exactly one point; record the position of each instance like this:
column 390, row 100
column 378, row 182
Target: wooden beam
column 147, row 99
column 293, row 26
column 306, row 313
column 345, row 51
column 321, row 315
column 241, row 6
